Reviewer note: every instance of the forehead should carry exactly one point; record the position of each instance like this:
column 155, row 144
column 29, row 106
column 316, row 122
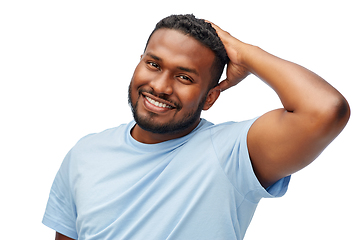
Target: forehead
column 175, row 47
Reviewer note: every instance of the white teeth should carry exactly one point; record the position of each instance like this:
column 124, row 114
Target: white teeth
column 158, row 104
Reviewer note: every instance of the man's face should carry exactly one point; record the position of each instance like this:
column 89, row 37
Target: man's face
column 169, row 87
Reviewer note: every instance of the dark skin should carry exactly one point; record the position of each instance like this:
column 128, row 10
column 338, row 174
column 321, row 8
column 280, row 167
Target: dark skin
column 280, row 142
column 176, row 68
column 59, row 236
column 283, row 141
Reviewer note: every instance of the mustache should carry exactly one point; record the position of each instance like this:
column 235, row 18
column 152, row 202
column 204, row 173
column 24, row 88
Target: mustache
column 161, row 96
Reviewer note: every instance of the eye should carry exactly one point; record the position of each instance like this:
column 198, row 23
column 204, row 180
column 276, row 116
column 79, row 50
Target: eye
column 153, row 65
column 186, row 78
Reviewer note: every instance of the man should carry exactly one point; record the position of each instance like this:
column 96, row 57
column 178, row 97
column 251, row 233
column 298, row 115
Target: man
column 172, row 175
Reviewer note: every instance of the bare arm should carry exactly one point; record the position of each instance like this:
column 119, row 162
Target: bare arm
column 59, row 236
column 286, row 140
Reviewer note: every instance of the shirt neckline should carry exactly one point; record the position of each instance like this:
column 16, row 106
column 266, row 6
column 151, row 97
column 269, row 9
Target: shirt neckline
column 163, row 146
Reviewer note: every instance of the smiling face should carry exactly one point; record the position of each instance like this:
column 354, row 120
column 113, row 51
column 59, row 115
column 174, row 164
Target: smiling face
column 170, row 86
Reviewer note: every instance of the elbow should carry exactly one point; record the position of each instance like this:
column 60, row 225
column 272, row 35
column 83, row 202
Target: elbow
column 336, row 114
column 342, row 109
column 339, row 109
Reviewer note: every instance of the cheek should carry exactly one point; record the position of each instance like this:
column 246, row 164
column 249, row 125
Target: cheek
column 142, row 75
column 139, row 77
column 190, row 96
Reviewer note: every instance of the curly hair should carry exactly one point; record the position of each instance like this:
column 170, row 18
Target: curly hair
column 204, row 33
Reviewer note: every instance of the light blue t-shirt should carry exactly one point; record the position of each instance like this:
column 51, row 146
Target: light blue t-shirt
column 200, row 186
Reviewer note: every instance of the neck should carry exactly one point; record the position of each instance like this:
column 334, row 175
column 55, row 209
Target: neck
column 147, row 137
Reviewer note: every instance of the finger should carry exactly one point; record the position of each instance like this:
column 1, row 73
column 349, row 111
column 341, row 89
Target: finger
column 212, row 24
column 224, row 84
column 219, row 31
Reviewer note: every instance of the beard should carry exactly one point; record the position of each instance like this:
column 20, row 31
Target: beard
column 148, row 124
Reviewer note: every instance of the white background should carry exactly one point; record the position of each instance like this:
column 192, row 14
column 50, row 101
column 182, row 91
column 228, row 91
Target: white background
column 65, row 67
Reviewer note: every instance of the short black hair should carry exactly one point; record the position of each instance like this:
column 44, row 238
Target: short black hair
column 204, row 33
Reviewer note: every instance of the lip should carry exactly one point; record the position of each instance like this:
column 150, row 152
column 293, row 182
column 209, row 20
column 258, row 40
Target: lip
column 156, row 109
column 145, row 94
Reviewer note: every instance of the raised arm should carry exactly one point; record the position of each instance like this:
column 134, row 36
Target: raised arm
column 286, row 140
column 59, row 236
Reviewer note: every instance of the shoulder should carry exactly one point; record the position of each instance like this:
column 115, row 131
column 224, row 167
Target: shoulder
column 224, row 137
column 96, row 142
column 109, row 134
column 230, row 128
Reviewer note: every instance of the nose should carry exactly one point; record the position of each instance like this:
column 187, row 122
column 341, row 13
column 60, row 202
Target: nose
column 162, row 83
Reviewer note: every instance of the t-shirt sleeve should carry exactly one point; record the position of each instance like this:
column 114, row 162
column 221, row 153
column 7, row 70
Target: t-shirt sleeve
column 230, row 144
column 60, row 213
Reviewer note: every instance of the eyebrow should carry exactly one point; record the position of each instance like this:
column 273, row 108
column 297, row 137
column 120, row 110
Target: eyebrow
column 189, row 70
column 154, row 57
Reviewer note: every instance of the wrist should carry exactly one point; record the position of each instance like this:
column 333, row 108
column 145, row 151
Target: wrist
column 247, row 54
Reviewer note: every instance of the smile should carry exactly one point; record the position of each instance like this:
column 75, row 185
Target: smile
column 158, row 104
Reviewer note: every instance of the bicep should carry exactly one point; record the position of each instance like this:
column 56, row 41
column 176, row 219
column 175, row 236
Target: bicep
column 281, row 143
column 59, row 236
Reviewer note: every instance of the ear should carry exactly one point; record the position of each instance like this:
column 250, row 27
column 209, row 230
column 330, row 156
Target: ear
column 211, row 98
